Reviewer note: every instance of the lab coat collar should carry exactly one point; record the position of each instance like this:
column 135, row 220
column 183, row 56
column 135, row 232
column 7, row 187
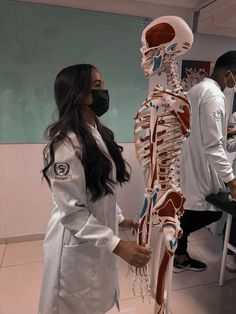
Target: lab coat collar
column 212, row 81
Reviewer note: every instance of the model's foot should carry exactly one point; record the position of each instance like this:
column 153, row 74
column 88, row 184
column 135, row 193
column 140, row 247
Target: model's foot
column 188, row 264
column 231, row 263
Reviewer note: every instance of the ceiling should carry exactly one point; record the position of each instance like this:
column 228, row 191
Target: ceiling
column 192, row 4
column 215, row 17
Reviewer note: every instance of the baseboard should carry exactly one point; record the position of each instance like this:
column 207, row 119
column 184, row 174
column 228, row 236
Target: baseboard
column 22, row 238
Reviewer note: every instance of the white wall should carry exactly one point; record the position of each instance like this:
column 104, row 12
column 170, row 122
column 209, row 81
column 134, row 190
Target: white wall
column 209, row 47
column 25, row 203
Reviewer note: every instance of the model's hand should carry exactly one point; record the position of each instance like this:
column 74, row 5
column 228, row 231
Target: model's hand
column 133, row 253
column 232, row 188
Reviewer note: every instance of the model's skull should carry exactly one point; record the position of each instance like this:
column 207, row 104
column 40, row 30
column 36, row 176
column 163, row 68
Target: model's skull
column 166, row 35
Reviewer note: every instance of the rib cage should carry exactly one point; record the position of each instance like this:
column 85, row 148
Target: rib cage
column 160, row 130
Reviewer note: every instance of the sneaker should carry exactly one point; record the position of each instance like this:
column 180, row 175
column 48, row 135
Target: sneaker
column 231, row 263
column 189, row 264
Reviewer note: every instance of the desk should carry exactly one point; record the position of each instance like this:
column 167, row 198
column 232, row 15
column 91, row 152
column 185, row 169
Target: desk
column 221, row 201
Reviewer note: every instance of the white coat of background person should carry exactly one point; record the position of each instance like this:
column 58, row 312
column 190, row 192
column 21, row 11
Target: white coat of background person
column 230, row 95
column 83, row 166
column 205, row 166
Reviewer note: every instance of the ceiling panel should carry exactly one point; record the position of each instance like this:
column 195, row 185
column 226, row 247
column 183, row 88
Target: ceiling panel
column 191, row 4
column 218, row 18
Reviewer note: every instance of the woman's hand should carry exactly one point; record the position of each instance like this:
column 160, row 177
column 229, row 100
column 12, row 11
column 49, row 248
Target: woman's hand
column 133, row 253
column 129, row 224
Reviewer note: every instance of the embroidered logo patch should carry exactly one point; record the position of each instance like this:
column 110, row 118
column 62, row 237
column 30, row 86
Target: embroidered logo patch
column 61, row 170
column 217, row 116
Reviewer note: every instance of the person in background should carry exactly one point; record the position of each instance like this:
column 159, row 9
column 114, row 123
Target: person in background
column 205, row 166
column 230, row 94
column 83, row 167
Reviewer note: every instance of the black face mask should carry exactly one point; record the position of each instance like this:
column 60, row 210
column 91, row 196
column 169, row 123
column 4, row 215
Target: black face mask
column 100, row 103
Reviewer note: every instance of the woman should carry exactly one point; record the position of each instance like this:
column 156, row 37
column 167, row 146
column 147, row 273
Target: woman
column 83, row 166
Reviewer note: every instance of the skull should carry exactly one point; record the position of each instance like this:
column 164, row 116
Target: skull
column 166, row 35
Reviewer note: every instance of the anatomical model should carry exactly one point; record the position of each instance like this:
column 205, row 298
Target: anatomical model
column 161, row 126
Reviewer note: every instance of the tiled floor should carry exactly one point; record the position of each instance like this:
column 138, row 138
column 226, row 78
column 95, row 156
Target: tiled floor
column 192, row 293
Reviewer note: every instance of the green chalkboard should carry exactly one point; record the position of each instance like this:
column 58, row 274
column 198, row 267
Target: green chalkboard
column 37, row 41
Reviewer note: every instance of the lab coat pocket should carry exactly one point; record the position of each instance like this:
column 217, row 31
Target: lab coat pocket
column 75, row 269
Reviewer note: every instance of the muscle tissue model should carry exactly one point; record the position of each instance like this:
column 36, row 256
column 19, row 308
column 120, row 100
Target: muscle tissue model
column 161, row 126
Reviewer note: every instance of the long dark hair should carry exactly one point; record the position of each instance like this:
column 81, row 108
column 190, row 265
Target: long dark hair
column 71, row 85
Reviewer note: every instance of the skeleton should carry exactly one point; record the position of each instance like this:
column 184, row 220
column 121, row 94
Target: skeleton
column 161, row 125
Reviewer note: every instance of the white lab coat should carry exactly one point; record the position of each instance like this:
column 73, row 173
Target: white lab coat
column 230, row 94
column 204, row 163
column 231, row 142
column 80, row 270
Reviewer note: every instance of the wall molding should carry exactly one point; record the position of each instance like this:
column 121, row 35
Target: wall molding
column 22, row 238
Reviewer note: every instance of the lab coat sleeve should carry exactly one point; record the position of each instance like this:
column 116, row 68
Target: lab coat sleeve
column 231, row 144
column 69, row 189
column 212, row 113
column 119, row 214
column 234, row 165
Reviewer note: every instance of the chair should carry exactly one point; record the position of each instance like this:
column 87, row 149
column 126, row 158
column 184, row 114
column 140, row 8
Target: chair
column 222, row 201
